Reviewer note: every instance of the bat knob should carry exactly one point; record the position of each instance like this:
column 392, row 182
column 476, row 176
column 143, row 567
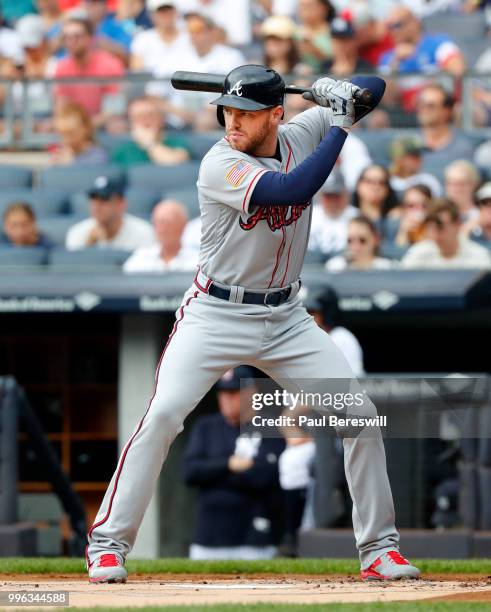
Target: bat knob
column 364, row 96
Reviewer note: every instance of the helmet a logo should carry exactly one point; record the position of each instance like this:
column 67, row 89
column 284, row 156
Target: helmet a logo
column 236, row 89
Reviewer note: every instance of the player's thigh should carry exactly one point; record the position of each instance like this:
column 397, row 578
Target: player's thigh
column 206, row 341
column 191, row 362
column 301, row 349
column 305, row 358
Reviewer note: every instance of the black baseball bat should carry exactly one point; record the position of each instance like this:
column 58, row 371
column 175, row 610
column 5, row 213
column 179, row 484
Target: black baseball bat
column 203, row 81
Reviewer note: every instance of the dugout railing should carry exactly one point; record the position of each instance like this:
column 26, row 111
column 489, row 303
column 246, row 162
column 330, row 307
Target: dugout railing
column 17, row 538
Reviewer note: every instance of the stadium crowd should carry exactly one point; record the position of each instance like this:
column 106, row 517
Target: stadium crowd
column 411, row 188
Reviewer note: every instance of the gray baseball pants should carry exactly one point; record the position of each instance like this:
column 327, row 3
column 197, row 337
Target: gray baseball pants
column 211, row 336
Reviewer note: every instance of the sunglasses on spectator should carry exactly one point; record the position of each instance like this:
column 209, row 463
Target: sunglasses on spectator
column 439, row 224
column 370, row 181
column 360, row 239
column 412, row 205
column 423, row 104
column 396, row 25
column 74, row 35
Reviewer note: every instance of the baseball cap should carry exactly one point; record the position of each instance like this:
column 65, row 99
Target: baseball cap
column 484, row 193
column 405, row 146
column 334, row 183
column 359, row 13
column 154, row 5
column 342, row 28
column 105, row 187
column 280, row 26
column 30, row 30
column 230, row 381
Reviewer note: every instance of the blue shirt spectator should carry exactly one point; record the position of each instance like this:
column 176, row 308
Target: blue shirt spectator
column 430, row 55
column 418, row 52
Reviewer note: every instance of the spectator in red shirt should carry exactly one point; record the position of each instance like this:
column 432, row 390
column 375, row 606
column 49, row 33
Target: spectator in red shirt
column 84, row 61
column 372, row 36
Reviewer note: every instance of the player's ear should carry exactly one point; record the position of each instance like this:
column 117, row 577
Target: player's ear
column 277, row 114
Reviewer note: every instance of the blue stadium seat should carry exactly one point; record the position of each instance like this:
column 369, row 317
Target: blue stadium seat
column 314, row 257
column 163, row 178
column 15, row 176
column 188, row 196
column 392, row 250
column 390, row 227
column 22, row 256
column 57, row 227
column 140, row 202
column 45, row 202
column 77, row 178
column 436, row 168
column 111, row 142
column 458, row 26
column 200, row 144
column 91, row 257
column 378, row 144
column 473, row 49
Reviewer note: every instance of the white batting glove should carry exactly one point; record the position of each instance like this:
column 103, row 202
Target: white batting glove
column 321, row 89
column 342, row 104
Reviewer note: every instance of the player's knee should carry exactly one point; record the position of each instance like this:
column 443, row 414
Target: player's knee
column 168, row 414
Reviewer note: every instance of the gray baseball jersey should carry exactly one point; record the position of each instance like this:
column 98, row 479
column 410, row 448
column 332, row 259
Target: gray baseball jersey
column 264, row 247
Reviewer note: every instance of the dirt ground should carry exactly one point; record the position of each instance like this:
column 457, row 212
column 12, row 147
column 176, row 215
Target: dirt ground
column 175, row 589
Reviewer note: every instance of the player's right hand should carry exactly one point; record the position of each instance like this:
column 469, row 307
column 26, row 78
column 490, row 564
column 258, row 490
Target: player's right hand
column 337, row 95
column 342, row 104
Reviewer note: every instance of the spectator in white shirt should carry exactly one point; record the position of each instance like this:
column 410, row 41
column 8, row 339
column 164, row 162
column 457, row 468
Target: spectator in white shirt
column 330, row 217
column 161, row 49
column 446, row 246
column 169, row 220
column 109, row 225
column 328, row 316
column 191, row 240
column 361, row 252
column 234, row 16
column 461, row 181
column 206, row 55
column 209, row 55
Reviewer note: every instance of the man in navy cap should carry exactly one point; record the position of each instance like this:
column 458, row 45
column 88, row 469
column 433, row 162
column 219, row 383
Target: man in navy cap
column 109, row 225
column 237, row 478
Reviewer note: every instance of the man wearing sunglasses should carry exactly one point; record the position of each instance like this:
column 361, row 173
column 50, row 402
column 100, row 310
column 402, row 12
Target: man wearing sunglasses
column 418, row 52
column 446, row 246
column 109, row 225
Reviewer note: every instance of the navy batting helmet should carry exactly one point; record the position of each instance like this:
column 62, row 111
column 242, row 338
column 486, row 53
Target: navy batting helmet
column 250, row 87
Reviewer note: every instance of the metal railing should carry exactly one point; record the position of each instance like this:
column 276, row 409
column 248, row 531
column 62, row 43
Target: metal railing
column 15, row 407
column 26, row 102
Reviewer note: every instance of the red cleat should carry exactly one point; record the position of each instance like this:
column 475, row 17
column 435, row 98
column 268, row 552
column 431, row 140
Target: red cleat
column 106, row 568
column 390, row 566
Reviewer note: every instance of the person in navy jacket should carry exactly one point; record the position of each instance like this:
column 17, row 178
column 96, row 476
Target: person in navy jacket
column 238, row 510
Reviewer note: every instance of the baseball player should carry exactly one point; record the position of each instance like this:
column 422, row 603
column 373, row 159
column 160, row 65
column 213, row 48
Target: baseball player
column 255, row 189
